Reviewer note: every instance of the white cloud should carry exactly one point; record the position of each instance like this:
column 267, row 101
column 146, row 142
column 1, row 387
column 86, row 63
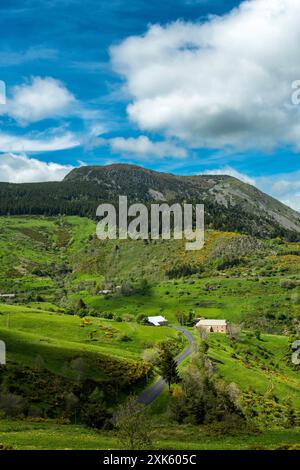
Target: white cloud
column 22, row 169
column 41, row 98
column 222, row 82
column 51, row 140
column 285, row 187
column 143, row 147
column 232, row 172
column 11, row 58
column 293, row 201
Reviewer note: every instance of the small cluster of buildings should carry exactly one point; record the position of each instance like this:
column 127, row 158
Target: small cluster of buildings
column 210, row 325
column 108, row 291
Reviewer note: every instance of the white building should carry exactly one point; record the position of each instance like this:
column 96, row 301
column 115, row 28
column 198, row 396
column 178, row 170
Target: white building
column 158, row 321
column 105, row 292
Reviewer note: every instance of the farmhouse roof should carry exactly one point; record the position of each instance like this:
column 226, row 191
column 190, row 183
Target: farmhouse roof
column 157, row 320
column 208, row 322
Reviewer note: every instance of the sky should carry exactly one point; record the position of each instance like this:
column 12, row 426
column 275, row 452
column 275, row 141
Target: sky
column 179, row 86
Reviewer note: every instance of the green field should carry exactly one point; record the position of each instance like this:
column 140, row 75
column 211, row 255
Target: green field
column 26, row 435
column 71, row 330
column 267, row 367
column 54, row 264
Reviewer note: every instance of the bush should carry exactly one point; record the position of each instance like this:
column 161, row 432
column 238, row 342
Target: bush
column 183, row 270
column 288, row 285
column 108, row 315
column 126, row 290
column 141, row 318
column 128, row 317
column 11, row 404
column 226, row 263
column 6, row 447
column 124, row 338
column 95, row 415
column 134, row 427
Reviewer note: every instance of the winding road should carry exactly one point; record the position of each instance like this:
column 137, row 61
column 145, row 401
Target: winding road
column 151, row 393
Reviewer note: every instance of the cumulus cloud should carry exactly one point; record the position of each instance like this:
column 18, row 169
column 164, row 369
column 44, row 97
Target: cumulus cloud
column 285, row 187
column 51, row 140
column 293, row 201
column 144, row 147
column 22, row 169
column 221, row 82
column 39, row 99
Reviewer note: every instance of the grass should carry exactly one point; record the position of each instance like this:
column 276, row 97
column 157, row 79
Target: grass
column 35, row 251
column 26, row 435
column 52, row 262
column 267, row 370
column 59, row 338
column 106, row 334
column 232, row 299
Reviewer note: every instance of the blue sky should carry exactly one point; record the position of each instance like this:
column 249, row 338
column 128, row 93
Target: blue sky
column 185, row 86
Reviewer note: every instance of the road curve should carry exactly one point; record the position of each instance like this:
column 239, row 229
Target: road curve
column 151, row 393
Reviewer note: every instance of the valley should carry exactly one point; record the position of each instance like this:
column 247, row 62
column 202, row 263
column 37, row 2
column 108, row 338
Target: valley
column 73, row 352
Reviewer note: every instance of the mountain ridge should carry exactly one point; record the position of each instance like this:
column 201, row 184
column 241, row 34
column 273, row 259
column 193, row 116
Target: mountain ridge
column 209, row 182
column 230, row 203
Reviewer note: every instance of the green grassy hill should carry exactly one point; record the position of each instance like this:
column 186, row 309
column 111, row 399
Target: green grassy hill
column 58, row 327
column 26, row 327
column 262, row 365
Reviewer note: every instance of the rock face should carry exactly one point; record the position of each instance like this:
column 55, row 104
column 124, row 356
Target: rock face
column 229, row 203
column 220, row 191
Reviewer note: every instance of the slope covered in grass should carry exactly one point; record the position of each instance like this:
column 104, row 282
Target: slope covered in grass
column 123, row 339
column 262, row 365
column 26, row 435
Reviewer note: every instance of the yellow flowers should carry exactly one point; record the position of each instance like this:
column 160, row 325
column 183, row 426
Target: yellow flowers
column 85, row 322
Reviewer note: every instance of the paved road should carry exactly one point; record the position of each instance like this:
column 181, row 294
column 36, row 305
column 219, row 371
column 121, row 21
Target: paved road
column 156, row 389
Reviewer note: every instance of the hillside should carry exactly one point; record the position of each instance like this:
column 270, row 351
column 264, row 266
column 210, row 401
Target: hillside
column 224, row 197
column 75, row 354
column 59, row 260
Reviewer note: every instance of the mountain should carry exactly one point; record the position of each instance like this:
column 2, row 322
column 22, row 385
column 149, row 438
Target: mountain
column 230, row 204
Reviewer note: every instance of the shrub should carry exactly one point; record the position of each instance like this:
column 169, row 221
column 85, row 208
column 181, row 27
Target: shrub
column 11, row 404
column 124, row 338
column 128, row 317
column 134, row 427
column 6, row 447
column 95, row 415
column 286, row 284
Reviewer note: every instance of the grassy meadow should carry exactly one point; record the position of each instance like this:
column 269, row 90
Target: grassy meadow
column 56, row 267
